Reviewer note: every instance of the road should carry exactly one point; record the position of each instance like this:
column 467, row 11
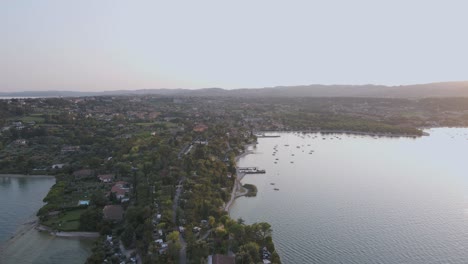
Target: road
column 183, row 249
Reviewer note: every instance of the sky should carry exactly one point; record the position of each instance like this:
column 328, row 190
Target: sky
column 90, row 45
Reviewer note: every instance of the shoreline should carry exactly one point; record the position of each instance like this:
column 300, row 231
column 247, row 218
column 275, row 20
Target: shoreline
column 77, row 234
column 347, row 132
column 236, row 189
column 22, row 229
column 25, row 176
column 32, row 225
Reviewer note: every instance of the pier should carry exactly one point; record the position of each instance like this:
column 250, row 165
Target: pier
column 267, row 136
column 251, row 170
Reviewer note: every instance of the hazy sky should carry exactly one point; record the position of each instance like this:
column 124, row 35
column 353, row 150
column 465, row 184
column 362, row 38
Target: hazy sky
column 107, row 45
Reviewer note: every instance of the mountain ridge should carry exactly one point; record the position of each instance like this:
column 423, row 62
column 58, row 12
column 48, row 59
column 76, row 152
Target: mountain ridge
column 439, row 89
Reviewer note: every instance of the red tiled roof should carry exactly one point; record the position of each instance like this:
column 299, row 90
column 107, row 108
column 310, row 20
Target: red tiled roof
column 118, row 190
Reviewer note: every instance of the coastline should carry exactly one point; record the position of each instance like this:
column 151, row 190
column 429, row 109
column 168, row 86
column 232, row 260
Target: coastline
column 25, row 176
column 78, row 234
column 347, row 132
column 22, row 229
column 237, row 189
column 32, row 225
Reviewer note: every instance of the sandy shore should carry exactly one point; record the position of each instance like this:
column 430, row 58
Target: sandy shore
column 32, row 225
column 20, row 231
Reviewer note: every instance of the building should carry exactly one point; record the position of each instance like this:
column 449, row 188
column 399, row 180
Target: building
column 113, row 213
column 106, row 177
column 120, row 189
column 85, row 173
column 58, row 166
column 221, row 259
column 200, row 128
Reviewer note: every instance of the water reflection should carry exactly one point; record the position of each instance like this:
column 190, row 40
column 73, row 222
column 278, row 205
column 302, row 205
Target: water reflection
column 360, row 199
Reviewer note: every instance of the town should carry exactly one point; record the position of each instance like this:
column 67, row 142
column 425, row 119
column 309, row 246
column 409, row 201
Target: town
column 151, row 177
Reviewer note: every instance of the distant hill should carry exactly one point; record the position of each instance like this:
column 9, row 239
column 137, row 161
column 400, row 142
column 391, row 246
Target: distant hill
column 443, row 89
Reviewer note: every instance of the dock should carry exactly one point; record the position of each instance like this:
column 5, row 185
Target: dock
column 251, row 170
column 267, row 136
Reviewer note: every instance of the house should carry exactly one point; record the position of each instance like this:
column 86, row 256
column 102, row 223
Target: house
column 58, row 166
column 266, row 255
column 120, row 189
column 106, row 177
column 201, row 142
column 221, row 259
column 200, row 128
column 163, row 249
column 113, row 213
column 84, row 173
column 21, row 142
column 18, row 125
column 67, row 149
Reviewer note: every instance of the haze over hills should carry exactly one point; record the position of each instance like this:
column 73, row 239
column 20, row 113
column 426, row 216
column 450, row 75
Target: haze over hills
column 442, row 89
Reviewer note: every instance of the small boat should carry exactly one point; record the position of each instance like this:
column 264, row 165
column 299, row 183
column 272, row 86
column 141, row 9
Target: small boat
column 292, row 161
column 272, row 183
column 276, row 189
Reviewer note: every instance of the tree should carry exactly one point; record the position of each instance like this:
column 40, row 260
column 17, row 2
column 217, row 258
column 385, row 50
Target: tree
column 249, row 253
column 98, row 198
column 90, row 219
column 211, row 221
column 128, row 236
column 173, row 237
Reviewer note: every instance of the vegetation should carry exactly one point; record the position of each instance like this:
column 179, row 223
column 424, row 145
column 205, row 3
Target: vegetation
column 252, row 190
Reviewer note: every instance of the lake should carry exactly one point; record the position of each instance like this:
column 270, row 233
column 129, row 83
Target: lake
column 20, row 198
column 362, row 199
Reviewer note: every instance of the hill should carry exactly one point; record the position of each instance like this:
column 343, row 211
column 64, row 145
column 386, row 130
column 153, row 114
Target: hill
column 442, row 89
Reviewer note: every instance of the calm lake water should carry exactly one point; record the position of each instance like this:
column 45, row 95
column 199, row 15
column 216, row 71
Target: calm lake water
column 360, row 199
column 20, row 198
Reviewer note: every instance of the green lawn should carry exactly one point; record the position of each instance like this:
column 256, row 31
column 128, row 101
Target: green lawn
column 67, row 221
column 37, row 119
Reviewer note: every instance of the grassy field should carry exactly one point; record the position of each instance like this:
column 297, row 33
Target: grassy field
column 67, row 221
column 31, row 118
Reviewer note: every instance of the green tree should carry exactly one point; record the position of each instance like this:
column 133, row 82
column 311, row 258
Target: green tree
column 90, row 219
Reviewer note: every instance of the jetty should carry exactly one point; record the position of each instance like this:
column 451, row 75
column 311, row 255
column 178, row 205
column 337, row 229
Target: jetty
column 251, row 170
column 267, row 136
